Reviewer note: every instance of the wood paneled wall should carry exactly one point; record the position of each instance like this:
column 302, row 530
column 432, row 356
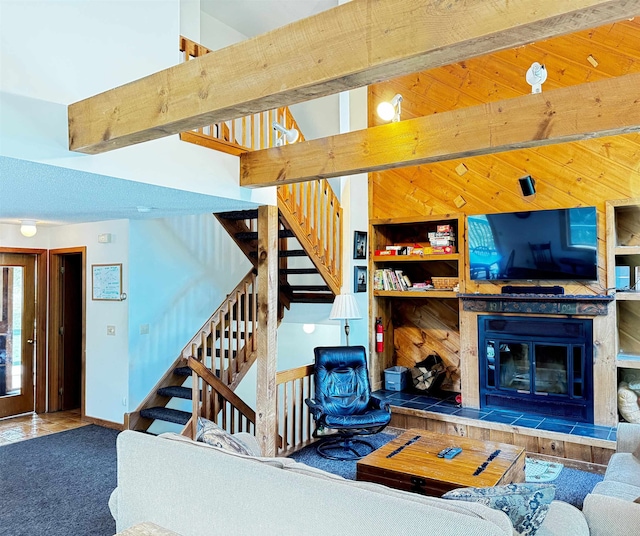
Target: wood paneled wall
column 585, row 173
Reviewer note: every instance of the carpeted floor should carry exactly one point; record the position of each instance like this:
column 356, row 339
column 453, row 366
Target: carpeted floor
column 571, row 485
column 59, row 484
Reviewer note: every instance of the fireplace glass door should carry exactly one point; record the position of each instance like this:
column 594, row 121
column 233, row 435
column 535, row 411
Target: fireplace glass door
column 528, row 367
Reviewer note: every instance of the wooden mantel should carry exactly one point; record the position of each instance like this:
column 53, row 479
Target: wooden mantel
column 584, row 305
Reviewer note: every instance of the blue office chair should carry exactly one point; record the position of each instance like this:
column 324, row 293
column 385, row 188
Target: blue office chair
column 343, row 402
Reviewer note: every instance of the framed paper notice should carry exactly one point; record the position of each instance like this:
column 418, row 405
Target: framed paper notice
column 106, row 282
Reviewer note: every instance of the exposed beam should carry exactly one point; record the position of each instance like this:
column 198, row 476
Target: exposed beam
column 358, row 43
column 600, row 108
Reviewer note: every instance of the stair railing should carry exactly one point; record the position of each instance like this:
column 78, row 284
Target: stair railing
column 311, row 209
column 213, row 400
column 226, row 343
column 295, row 424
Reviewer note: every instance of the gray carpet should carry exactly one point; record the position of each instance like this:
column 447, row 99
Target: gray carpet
column 571, row 485
column 59, row 484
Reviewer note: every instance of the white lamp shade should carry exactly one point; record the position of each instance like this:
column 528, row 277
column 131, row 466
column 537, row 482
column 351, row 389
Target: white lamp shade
column 28, row 228
column 344, row 307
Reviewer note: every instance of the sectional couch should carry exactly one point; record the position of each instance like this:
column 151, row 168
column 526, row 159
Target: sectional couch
column 610, row 508
column 197, row 490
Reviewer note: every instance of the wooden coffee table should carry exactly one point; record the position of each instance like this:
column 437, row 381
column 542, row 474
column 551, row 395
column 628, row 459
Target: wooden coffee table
column 410, row 463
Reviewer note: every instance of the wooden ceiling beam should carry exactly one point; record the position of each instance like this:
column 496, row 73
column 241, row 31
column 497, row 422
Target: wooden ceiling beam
column 352, row 45
column 602, row 108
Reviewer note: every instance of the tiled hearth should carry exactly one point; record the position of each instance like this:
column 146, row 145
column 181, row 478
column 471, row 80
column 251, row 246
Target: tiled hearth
column 448, row 406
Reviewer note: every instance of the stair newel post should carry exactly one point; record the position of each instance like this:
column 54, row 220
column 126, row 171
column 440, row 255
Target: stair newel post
column 267, row 282
column 246, row 318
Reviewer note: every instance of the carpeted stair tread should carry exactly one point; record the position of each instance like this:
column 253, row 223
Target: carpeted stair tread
column 186, row 371
column 239, row 214
column 295, row 271
column 175, row 391
column 253, row 235
column 166, row 414
column 285, row 253
column 311, row 288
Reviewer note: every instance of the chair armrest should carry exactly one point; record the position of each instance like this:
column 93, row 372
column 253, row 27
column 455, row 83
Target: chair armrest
column 316, row 409
column 627, row 437
column 379, row 403
column 610, row 516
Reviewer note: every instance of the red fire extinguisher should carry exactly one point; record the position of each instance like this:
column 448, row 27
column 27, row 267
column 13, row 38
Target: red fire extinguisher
column 379, row 335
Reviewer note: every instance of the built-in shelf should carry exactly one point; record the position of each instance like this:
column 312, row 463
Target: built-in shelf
column 415, row 258
column 416, row 293
column 629, row 296
column 628, row 361
column 627, row 250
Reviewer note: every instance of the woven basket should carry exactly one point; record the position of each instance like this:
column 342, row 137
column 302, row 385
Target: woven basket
column 444, row 282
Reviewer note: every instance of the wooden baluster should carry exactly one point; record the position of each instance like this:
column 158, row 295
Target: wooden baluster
column 294, row 411
column 195, row 403
column 301, row 413
column 285, row 424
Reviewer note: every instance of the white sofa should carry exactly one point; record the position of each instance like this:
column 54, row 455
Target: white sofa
column 610, row 508
column 197, row 490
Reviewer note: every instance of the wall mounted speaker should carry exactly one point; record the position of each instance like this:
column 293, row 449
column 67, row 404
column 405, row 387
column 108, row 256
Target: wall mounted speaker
column 527, row 185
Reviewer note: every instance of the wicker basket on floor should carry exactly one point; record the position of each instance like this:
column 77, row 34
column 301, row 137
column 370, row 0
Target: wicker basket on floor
column 444, row 282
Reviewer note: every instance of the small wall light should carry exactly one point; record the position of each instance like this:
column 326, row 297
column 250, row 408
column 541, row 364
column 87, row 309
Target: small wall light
column 308, row 328
column 28, row 228
column 527, row 185
column 536, row 76
column 290, row 135
column 390, row 110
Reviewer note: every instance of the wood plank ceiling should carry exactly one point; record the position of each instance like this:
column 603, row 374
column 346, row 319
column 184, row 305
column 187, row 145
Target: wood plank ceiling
column 584, row 173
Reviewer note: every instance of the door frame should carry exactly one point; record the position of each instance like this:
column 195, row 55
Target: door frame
column 41, row 323
column 55, row 257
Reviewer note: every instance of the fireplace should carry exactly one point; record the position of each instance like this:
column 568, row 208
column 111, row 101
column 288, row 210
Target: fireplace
column 537, row 365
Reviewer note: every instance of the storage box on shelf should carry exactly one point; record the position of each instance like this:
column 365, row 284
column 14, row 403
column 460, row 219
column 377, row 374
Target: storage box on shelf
column 623, row 259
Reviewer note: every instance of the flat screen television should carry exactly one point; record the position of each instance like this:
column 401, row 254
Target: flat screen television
column 548, row 245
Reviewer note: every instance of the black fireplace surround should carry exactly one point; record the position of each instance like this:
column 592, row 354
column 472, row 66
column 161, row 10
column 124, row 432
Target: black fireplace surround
column 542, row 366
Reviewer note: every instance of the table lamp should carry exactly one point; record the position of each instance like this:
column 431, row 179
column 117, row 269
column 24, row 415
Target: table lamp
column 345, row 308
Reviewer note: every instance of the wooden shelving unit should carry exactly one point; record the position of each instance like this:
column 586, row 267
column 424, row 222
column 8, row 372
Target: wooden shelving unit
column 623, row 249
column 388, row 303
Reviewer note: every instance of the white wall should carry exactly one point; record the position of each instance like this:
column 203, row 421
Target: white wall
column 181, row 269
column 55, row 53
column 107, row 357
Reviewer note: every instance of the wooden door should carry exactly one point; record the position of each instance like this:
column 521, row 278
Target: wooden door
column 17, row 333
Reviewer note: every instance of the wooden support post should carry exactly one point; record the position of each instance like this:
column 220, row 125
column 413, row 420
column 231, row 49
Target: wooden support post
column 266, row 417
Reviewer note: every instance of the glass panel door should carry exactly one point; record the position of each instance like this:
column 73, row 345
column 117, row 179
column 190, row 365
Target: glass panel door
column 17, row 318
column 515, row 366
column 551, row 367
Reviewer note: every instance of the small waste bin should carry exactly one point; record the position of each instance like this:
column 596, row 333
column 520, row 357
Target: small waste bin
column 395, row 378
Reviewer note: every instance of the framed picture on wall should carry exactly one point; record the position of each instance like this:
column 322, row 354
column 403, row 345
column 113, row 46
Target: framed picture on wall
column 359, row 279
column 106, row 282
column 359, row 245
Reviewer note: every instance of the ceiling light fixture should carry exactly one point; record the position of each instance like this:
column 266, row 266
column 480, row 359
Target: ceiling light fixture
column 290, row 135
column 28, row 228
column 390, row 110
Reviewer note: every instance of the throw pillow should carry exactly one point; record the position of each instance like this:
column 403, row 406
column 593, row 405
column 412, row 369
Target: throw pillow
column 628, row 403
column 637, row 500
column 210, row 433
column 525, row 504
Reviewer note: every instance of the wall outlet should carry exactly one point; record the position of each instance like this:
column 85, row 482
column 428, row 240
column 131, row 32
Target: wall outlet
column 144, row 329
column 104, row 238
column 124, row 401
column 111, row 330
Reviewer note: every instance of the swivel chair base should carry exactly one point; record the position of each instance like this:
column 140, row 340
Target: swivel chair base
column 344, row 448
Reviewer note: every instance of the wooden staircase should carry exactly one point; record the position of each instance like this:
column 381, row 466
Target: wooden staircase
column 225, row 345
column 310, row 271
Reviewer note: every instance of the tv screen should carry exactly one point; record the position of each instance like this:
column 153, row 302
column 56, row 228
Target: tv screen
column 556, row 245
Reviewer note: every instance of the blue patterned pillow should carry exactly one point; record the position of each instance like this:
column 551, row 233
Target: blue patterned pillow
column 525, row 504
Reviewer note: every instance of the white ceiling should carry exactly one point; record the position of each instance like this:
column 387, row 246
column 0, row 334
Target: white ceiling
column 254, row 17
column 55, row 195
